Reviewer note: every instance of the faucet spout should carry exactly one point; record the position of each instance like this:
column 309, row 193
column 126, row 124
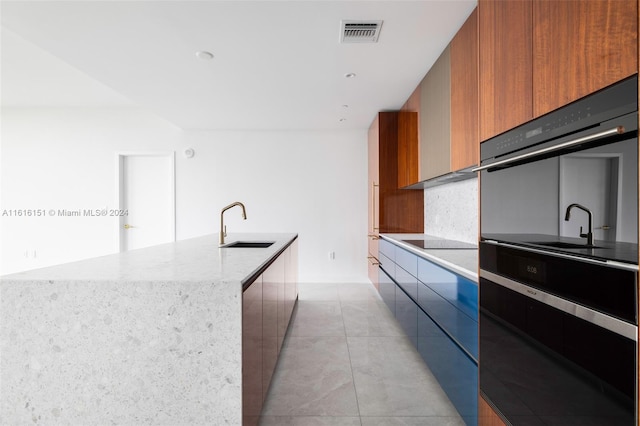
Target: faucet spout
column 223, row 229
column 589, row 234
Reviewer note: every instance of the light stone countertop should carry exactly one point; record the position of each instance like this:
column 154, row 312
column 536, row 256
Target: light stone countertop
column 149, row 336
column 460, row 261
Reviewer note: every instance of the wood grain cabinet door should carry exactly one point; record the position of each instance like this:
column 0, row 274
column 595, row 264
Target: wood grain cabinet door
column 505, row 37
column 408, row 150
column 252, row 394
column 581, row 47
column 465, row 144
column 373, row 220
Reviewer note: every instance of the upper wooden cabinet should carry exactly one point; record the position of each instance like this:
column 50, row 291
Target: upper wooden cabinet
column 580, row 47
column 538, row 55
column 391, row 210
column 447, row 104
column 465, row 142
column 408, row 169
column 505, row 65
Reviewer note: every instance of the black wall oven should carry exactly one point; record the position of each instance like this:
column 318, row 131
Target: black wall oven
column 559, row 265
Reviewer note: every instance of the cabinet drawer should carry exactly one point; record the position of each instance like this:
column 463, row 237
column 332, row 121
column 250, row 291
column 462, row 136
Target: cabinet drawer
column 387, row 249
column 456, row 373
column 463, row 295
column 387, row 291
column 407, row 315
column 388, row 265
column 454, row 322
column 408, row 282
column 429, row 272
column 407, row 261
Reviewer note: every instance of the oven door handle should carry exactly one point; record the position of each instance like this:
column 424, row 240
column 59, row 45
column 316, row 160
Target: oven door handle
column 617, row 130
column 608, row 322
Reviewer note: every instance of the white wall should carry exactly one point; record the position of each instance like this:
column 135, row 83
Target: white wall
column 309, row 182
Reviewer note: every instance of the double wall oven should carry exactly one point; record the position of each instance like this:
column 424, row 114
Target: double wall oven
column 559, row 265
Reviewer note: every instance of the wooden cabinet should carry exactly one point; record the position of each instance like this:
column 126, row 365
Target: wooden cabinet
column 506, row 68
column 272, row 310
column 580, row 47
column 267, row 307
column 373, row 221
column 391, row 210
column 398, row 210
column 486, row 415
column 538, row 55
column 465, row 140
column 447, row 104
column 408, row 169
column 290, row 279
column 252, row 395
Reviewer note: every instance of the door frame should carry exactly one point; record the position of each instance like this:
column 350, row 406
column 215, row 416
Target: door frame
column 562, row 196
column 120, row 157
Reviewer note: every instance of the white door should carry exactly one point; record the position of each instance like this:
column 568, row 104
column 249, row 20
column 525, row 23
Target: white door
column 591, row 181
column 147, row 198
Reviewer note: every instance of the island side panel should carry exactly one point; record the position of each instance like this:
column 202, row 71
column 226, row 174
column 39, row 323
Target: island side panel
column 89, row 352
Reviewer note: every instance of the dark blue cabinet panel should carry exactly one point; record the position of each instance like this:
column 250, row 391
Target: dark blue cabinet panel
column 461, row 328
column 388, row 265
column 462, row 295
column 408, row 282
column 438, row 310
column 388, row 249
column 407, row 315
column 456, row 372
column 407, row 261
column 387, row 289
column 429, row 272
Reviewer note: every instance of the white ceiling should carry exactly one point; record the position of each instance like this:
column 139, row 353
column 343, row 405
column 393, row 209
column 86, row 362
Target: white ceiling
column 277, row 64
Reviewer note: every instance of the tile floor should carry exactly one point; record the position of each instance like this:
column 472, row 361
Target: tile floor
column 346, row 362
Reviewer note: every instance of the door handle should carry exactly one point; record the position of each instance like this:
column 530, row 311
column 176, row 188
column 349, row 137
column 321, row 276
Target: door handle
column 373, row 206
column 604, row 227
column 373, row 260
column 127, row 226
column 529, row 155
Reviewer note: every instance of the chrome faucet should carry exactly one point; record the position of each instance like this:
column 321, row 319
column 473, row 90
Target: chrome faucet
column 589, row 234
column 223, row 228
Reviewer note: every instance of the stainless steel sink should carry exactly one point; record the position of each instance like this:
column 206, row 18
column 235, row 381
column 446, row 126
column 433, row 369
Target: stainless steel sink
column 561, row 244
column 249, row 244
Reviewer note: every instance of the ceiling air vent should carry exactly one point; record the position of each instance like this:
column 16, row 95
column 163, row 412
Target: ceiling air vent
column 360, row 31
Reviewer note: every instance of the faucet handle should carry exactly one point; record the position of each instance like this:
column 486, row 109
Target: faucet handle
column 225, row 230
column 583, row 235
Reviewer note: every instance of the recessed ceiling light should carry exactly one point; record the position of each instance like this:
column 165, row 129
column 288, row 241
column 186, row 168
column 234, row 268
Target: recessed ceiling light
column 350, row 75
column 204, row 55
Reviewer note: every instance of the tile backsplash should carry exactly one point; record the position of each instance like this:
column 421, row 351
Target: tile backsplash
column 451, row 211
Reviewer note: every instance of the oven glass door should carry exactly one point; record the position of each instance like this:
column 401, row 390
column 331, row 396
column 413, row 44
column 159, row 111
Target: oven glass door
column 528, row 203
column 540, row 366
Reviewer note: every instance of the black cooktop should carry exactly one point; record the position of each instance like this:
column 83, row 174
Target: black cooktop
column 441, row 244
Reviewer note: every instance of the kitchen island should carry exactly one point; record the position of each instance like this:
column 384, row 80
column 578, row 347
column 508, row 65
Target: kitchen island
column 149, row 336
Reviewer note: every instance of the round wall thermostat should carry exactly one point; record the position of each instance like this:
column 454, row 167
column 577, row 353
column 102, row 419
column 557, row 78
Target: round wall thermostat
column 189, row 153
